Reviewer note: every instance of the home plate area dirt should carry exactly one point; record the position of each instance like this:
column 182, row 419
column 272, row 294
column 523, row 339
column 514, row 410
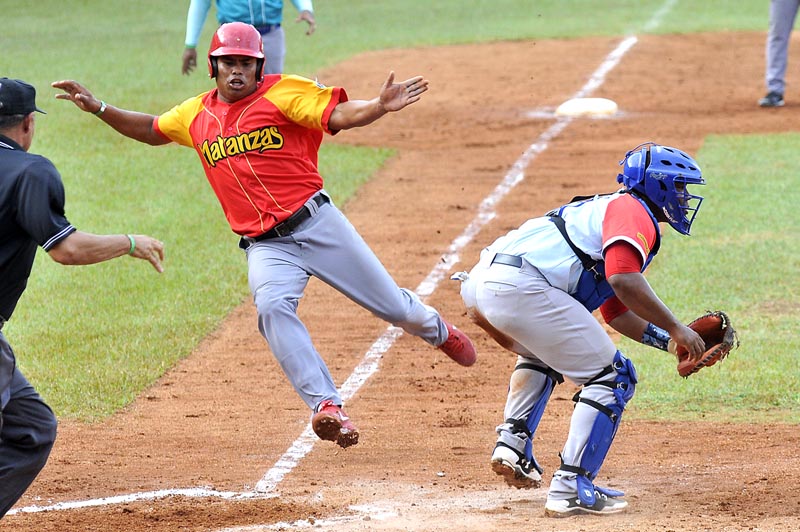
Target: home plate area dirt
column 225, row 415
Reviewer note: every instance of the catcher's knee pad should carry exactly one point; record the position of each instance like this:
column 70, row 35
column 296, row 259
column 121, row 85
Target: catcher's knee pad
column 623, row 385
column 517, row 434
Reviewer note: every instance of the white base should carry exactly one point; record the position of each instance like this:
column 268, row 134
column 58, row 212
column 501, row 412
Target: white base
column 587, row 107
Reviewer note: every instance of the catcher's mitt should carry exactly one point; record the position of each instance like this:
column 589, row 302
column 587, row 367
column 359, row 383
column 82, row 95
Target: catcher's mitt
column 720, row 337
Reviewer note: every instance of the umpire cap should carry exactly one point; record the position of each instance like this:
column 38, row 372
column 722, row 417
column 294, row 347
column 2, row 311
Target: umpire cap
column 17, row 97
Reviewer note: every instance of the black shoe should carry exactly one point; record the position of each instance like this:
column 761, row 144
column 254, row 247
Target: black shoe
column 773, row 99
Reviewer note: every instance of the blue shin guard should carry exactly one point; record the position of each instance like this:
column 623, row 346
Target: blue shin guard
column 604, row 428
column 533, row 419
column 528, row 425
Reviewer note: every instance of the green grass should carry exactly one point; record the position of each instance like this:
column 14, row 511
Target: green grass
column 743, row 258
column 91, row 338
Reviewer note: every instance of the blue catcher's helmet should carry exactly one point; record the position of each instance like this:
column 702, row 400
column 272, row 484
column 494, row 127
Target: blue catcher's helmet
column 661, row 175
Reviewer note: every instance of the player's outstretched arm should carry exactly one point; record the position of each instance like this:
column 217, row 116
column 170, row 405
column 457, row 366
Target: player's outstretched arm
column 132, row 124
column 393, row 97
column 81, row 248
column 396, row 96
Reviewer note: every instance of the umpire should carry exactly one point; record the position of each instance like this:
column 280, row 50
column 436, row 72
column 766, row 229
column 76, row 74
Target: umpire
column 32, row 215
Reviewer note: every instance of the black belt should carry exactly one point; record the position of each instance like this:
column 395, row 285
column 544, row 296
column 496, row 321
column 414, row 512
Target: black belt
column 263, row 30
column 508, row 260
column 287, row 226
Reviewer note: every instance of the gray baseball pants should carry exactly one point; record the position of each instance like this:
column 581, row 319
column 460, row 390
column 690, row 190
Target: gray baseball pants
column 782, row 15
column 328, row 247
column 274, row 50
column 549, row 328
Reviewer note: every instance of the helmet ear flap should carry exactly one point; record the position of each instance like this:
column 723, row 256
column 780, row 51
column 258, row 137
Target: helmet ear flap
column 656, row 190
column 212, row 67
column 633, row 172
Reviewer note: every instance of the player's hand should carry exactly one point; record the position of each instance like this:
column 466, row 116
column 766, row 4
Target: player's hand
column 688, row 338
column 395, row 96
column 77, row 94
column 189, row 61
column 149, row 249
column 308, row 16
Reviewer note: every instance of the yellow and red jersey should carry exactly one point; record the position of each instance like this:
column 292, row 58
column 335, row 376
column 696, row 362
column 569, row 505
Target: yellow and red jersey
column 259, row 153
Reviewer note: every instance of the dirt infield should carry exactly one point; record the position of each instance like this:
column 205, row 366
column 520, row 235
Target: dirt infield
column 224, row 416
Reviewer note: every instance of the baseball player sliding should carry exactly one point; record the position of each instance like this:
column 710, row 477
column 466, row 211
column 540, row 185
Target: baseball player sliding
column 534, row 291
column 258, row 138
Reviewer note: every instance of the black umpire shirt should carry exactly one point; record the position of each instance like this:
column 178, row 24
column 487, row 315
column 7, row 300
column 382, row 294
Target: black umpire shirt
column 31, row 215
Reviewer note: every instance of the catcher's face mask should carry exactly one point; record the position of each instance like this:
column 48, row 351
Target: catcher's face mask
column 663, row 174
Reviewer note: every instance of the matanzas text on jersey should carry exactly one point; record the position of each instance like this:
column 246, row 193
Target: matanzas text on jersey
column 266, row 138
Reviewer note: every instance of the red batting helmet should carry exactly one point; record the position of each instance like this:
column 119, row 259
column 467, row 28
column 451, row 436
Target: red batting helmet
column 236, row 38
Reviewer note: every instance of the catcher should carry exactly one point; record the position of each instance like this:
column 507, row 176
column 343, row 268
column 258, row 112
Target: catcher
column 534, row 291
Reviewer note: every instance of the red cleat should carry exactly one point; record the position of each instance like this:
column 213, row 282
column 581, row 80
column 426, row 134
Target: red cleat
column 458, row 346
column 332, row 424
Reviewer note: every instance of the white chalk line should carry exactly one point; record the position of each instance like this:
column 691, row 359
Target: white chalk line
column 302, row 446
column 142, row 496
column 655, row 20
